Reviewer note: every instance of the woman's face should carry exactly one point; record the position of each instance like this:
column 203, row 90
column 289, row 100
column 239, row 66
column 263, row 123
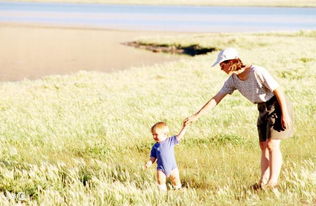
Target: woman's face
column 225, row 66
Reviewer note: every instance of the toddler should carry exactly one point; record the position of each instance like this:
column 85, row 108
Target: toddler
column 163, row 152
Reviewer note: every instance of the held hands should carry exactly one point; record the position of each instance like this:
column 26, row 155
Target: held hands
column 188, row 120
column 185, row 124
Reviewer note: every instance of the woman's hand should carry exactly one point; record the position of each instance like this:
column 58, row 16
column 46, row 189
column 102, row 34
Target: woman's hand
column 188, row 120
column 286, row 121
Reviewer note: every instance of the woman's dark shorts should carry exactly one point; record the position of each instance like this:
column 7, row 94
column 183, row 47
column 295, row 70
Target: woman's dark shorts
column 269, row 121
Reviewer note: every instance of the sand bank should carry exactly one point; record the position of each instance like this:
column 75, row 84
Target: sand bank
column 30, row 52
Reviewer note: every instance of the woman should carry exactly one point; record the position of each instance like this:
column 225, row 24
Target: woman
column 275, row 113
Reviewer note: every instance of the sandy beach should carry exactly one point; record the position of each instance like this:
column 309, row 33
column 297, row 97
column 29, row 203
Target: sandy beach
column 34, row 51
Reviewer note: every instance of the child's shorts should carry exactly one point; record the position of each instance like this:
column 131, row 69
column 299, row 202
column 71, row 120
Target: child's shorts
column 269, row 120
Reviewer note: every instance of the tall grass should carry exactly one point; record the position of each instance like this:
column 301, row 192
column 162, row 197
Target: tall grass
column 82, row 139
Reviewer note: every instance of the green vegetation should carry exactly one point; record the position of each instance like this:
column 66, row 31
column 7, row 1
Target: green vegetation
column 277, row 3
column 83, row 139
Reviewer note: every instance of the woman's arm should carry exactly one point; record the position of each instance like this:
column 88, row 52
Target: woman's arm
column 209, row 105
column 285, row 118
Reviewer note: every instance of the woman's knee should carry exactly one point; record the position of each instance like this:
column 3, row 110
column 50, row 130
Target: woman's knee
column 273, row 145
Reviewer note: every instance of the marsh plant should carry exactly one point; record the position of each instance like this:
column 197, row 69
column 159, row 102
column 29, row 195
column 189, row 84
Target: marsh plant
column 82, row 139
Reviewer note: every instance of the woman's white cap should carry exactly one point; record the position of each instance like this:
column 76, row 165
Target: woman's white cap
column 226, row 54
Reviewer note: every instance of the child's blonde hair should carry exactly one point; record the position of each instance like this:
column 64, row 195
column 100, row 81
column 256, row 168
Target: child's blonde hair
column 160, row 127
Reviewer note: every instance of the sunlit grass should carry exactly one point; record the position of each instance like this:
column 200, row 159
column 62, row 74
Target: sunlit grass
column 83, row 138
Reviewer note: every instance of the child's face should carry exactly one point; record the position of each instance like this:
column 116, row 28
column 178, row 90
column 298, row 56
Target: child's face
column 159, row 136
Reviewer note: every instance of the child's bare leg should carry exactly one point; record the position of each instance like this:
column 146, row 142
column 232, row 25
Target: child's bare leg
column 161, row 180
column 175, row 178
column 275, row 161
column 265, row 163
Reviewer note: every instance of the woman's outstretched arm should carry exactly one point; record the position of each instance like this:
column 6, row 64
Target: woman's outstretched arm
column 209, row 105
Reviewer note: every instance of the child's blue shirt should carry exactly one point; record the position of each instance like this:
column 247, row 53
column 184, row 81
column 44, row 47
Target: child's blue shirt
column 164, row 153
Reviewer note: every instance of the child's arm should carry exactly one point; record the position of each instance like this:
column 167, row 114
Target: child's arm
column 150, row 162
column 182, row 131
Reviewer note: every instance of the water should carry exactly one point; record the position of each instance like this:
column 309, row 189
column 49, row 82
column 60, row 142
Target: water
column 160, row 18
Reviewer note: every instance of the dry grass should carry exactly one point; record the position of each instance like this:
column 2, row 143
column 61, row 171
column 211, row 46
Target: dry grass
column 82, row 139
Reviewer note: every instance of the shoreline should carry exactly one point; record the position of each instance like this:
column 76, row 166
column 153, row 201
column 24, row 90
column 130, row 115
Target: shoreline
column 34, row 51
column 215, row 3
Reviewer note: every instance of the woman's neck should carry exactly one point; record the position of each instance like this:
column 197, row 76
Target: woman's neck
column 243, row 74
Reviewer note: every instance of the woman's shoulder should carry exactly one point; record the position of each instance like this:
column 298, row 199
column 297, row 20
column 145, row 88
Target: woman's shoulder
column 257, row 68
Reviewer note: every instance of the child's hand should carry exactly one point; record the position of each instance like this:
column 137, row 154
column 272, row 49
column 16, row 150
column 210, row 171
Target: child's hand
column 148, row 164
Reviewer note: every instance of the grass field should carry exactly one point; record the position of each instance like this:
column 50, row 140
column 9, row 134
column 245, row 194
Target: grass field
column 83, row 139
column 282, row 3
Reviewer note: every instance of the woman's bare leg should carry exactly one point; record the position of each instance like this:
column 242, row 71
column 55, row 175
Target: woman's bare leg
column 275, row 161
column 264, row 163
